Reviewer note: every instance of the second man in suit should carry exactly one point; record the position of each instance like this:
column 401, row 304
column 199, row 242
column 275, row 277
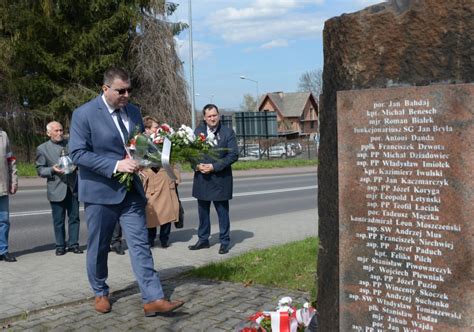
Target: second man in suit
column 213, row 180
column 60, row 189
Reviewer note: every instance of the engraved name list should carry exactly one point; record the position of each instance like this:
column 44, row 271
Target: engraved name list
column 392, row 206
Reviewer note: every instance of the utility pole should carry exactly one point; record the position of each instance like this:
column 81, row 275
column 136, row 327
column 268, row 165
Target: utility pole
column 191, row 68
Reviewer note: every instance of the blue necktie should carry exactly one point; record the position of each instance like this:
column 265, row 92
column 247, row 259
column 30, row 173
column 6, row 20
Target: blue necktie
column 121, row 125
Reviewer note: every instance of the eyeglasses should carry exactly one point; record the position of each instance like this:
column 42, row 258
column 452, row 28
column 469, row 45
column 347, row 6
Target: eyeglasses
column 120, row 91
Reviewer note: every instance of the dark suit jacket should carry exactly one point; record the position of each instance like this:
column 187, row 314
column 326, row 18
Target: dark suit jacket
column 95, row 145
column 218, row 185
column 47, row 155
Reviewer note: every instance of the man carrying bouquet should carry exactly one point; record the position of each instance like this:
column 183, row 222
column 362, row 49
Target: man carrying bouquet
column 100, row 130
column 213, row 179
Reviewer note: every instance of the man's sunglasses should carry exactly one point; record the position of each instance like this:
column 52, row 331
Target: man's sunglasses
column 120, row 91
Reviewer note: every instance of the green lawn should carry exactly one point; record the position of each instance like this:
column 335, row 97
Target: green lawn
column 28, row 169
column 272, row 163
column 264, row 163
column 290, row 266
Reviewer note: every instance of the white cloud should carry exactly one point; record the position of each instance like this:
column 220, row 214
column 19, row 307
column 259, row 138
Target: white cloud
column 286, row 3
column 369, row 2
column 275, row 43
column 260, row 23
column 200, row 50
column 283, row 19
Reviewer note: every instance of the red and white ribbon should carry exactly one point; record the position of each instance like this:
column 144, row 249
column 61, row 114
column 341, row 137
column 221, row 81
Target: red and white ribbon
column 280, row 321
column 285, row 318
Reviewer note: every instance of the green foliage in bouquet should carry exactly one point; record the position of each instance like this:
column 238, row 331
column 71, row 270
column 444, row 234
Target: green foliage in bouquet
column 185, row 148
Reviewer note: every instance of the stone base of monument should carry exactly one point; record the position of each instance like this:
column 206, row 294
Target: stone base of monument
column 395, row 184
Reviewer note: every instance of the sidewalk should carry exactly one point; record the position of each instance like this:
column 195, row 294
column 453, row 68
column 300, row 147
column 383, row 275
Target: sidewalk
column 42, row 281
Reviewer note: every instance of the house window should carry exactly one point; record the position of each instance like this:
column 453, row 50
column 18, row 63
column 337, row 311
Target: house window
column 312, row 124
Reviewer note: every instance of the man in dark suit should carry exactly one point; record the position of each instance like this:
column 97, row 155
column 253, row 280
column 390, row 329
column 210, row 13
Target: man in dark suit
column 60, row 189
column 213, row 179
column 100, row 129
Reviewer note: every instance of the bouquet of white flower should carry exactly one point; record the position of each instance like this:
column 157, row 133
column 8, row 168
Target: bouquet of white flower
column 167, row 146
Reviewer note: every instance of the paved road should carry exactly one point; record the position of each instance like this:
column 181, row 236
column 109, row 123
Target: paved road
column 255, row 197
column 44, row 292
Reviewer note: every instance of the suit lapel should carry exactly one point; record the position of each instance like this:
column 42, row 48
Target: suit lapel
column 107, row 117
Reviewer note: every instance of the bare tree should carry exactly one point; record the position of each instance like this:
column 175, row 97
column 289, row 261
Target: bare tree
column 312, row 81
column 158, row 72
column 249, row 103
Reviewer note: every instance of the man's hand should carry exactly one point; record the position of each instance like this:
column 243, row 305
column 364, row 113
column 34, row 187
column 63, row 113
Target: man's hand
column 13, row 189
column 58, row 170
column 127, row 166
column 205, row 168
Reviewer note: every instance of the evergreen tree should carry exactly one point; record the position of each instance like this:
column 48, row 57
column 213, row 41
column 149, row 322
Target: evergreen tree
column 60, row 48
column 54, row 53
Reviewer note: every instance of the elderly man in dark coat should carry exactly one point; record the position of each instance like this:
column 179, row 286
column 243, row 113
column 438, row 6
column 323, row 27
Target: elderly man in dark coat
column 213, row 179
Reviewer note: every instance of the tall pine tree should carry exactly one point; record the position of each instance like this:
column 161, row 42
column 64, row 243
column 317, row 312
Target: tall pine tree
column 53, row 54
column 60, row 48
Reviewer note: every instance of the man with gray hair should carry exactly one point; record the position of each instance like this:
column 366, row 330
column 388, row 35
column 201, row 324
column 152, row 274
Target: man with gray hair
column 60, row 189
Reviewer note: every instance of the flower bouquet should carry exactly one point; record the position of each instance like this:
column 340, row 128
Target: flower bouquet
column 166, row 146
column 286, row 318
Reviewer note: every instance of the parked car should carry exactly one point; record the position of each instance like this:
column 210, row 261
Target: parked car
column 279, row 151
column 254, row 152
column 296, row 147
column 250, row 150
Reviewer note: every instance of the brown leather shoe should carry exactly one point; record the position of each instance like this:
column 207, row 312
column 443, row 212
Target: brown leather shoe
column 102, row 304
column 160, row 306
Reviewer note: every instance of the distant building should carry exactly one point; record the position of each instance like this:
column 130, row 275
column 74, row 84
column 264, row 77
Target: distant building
column 297, row 112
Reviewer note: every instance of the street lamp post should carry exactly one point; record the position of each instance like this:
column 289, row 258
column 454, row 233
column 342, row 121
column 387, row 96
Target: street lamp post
column 191, row 68
column 210, row 96
column 256, row 85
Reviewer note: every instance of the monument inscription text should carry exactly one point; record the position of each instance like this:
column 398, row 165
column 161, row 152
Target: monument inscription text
column 400, row 152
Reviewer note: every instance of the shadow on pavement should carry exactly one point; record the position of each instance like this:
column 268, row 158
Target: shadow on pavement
column 236, row 236
column 164, row 274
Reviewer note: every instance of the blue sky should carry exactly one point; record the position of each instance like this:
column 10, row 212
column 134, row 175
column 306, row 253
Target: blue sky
column 272, row 42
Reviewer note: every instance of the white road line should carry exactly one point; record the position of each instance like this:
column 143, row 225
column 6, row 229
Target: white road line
column 30, row 191
column 190, row 181
column 274, row 191
column 187, row 199
column 33, row 213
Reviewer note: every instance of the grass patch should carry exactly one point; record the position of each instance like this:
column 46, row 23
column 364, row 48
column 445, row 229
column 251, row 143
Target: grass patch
column 291, row 266
column 26, row 169
column 264, row 163
column 272, row 163
column 29, row 169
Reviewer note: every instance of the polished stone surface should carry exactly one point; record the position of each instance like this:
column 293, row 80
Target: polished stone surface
column 405, row 208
